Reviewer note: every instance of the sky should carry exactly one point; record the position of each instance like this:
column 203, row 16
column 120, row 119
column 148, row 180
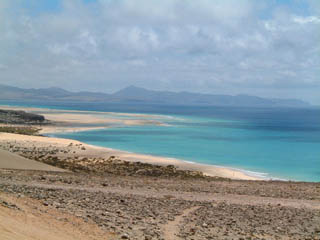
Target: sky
column 267, row 48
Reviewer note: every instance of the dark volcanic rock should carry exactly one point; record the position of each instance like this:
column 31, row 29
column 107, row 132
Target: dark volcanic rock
column 20, row 117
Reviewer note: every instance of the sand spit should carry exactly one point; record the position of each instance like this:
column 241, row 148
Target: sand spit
column 75, row 121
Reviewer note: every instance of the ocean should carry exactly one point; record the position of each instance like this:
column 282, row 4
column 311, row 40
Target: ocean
column 280, row 143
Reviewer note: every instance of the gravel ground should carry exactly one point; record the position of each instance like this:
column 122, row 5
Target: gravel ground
column 144, row 207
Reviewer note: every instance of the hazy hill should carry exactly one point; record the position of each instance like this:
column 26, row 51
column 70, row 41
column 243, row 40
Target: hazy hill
column 134, row 94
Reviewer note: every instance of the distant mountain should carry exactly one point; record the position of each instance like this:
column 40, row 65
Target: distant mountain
column 137, row 95
column 49, row 94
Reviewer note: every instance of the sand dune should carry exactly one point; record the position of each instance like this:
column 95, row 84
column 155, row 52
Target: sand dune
column 12, row 161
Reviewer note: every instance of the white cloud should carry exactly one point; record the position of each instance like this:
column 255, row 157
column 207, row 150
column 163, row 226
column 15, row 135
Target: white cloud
column 306, row 20
column 203, row 45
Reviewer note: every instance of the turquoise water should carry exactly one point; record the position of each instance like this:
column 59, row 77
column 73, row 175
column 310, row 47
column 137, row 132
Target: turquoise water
column 277, row 143
column 274, row 153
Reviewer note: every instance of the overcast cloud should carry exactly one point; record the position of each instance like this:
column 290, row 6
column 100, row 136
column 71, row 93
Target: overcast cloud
column 214, row 46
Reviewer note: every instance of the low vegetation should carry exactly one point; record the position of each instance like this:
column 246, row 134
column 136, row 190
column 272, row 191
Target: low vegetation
column 25, row 130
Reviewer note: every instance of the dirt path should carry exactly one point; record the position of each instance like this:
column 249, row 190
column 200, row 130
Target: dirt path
column 189, row 196
column 171, row 229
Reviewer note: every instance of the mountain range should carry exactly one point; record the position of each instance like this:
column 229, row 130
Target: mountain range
column 137, row 95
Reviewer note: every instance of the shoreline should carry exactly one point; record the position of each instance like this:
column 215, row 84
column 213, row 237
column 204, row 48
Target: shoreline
column 46, row 142
column 78, row 121
column 190, row 165
column 180, row 163
column 206, row 169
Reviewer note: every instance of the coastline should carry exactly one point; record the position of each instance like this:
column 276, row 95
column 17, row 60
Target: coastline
column 96, row 151
column 77, row 121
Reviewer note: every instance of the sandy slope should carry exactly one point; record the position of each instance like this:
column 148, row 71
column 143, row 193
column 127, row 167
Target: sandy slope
column 9, row 160
column 25, row 219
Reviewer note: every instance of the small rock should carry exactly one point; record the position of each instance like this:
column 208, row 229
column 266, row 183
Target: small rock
column 124, row 236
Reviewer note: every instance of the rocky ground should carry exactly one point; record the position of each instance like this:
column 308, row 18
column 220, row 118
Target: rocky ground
column 145, row 207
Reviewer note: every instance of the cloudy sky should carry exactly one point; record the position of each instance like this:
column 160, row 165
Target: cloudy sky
column 268, row 48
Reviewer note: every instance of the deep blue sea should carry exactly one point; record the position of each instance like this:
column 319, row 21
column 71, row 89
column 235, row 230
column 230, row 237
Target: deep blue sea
column 273, row 142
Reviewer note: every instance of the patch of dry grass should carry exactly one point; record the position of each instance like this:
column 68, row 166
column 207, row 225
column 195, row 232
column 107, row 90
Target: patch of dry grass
column 20, row 130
